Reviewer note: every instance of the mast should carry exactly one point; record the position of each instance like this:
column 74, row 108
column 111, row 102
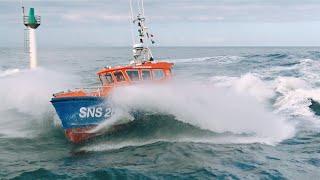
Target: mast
column 31, row 22
column 141, row 50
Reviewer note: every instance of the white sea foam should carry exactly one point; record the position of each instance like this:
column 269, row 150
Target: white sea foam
column 309, row 70
column 205, row 106
column 118, row 145
column 292, row 95
column 295, row 95
column 235, row 139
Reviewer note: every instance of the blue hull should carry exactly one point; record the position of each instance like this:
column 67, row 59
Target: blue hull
column 77, row 112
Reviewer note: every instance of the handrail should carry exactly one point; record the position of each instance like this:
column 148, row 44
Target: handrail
column 93, row 89
column 26, row 19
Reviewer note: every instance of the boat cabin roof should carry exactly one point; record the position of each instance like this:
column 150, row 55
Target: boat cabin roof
column 135, row 72
column 144, row 65
column 148, row 71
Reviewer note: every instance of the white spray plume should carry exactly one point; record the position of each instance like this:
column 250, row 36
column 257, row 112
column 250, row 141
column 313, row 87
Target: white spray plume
column 205, row 106
column 25, row 97
column 250, row 84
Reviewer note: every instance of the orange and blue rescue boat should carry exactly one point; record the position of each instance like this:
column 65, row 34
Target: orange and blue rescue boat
column 81, row 110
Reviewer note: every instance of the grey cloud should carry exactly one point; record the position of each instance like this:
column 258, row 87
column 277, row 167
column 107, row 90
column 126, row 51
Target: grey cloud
column 198, row 22
column 100, row 11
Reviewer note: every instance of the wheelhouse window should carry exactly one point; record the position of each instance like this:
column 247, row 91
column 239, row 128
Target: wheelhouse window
column 119, row 76
column 146, row 74
column 106, row 79
column 133, row 75
column 158, row 74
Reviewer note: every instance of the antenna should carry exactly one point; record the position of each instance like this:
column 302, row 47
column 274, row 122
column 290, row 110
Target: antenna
column 23, row 13
column 131, row 21
column 141, row 51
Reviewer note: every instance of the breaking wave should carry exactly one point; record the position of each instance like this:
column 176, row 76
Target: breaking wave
column 214, row 59
column 289, row 96
column 269, row 56
column 207, row 107
column 283, row 98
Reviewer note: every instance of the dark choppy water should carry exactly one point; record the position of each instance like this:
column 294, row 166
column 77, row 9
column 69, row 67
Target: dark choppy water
column 264, row 130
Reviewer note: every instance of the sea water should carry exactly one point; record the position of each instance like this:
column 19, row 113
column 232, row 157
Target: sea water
column 229, row 113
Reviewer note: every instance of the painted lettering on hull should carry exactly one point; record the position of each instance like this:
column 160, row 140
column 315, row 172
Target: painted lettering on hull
column 95, row 112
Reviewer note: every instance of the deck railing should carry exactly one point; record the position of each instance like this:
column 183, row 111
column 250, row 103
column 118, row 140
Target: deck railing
column 94, row 90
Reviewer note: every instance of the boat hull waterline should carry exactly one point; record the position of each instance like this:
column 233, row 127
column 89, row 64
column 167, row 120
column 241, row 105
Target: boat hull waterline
column 80, row 114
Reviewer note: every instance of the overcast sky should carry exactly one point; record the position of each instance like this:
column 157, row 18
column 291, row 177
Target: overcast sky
column 173, row 22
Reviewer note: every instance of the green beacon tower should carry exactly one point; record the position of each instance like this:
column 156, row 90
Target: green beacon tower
column 31, row 22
